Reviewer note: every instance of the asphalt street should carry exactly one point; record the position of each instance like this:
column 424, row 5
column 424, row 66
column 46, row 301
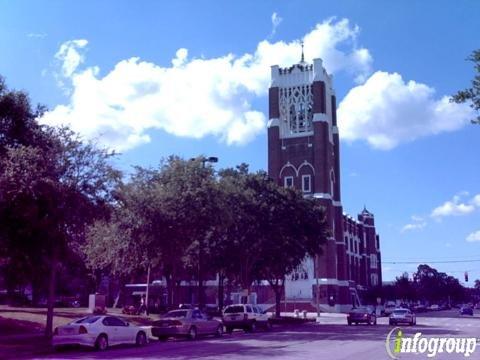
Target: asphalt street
column 331, row 339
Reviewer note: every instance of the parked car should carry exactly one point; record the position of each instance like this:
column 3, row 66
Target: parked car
column 99, row 332
column 131, row 310
column 419, row 308
column 365, row 315
column 245, row 316
column 389, row 307
column 405, row 316
column 466, row 310
column 434, row 307
column 445, row 306
column 188, row 323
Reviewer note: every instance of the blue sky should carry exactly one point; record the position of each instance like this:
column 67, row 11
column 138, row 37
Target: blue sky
column 153, row 78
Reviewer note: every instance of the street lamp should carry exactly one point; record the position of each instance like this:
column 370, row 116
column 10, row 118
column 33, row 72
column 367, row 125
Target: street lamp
column 204, row 160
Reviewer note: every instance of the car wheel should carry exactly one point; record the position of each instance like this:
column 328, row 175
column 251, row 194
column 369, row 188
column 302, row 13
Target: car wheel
column 141, row 339
column 349, row 323
column 229, row 330
column 369, row 321
column 192, row 333
column 102, row 342
column 268, row 325
column 219, row 331
column 390, row 322
column 253, row 327
column 375, row 320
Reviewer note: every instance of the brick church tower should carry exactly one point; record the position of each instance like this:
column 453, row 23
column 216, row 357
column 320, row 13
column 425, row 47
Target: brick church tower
column 303, row 152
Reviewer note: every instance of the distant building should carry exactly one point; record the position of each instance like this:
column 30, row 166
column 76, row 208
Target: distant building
column 303, row 153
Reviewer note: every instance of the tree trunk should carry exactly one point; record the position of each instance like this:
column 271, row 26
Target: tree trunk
column 201, row 292
column 35, row 292
column 278, row 298
column 170, row 285
column 51, row 294
column 147, row 290
column 220, row 291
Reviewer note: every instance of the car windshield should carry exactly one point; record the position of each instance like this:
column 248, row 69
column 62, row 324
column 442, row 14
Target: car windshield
column 87, row 320
column 400, row 312
column 360, row 309
column 176, row 314
column 234, row 309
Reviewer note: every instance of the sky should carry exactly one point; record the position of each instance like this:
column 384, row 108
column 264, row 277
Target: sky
column 154, row 78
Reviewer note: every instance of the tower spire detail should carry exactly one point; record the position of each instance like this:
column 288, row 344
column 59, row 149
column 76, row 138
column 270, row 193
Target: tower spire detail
column 303, row 57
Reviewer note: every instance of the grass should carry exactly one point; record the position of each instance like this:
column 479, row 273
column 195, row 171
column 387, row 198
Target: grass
column 22, row 329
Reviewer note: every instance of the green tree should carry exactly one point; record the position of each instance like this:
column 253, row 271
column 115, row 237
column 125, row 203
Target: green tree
column 165, row 218
column 270, row 230
column 52, row 185
column 405, row 288
column 292, row 228
column 472, row 94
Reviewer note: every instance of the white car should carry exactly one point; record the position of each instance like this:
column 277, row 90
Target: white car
column 402, row 316
column 246, row 317
column 99, row 332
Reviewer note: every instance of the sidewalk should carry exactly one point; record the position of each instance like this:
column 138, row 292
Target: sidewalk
column 313, row 315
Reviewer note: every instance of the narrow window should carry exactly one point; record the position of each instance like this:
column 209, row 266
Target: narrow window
column 306, row 183
column 288, row 182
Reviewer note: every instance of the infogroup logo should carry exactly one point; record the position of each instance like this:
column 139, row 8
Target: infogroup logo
column 397, row 343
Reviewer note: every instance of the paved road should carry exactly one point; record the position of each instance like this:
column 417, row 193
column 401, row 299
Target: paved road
column 332, row 339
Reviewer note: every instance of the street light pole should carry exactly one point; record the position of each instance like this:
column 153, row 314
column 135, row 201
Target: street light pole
column 204, row 160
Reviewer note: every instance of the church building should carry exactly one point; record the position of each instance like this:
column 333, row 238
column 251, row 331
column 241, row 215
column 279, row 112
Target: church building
column 303, row 153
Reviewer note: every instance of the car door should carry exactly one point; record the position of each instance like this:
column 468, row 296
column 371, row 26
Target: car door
column 111, row 329
column 126, row 332
column 199, row 322
column 210, row 323
column 257, row 312
column 249, row 311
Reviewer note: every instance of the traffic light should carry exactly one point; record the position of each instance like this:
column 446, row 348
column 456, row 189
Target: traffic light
column 466, row 276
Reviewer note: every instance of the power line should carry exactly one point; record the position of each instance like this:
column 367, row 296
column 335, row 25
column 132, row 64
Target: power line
column 431, row 262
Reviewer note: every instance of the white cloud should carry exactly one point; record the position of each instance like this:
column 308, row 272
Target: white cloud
column 454, row 207
column 37, row 35
column 386, row 111
column 414, row 226
column 476, row 200
column 194, row 97
column 473, row 237
column 417, row 223
column 70, row 56
column 276, row 20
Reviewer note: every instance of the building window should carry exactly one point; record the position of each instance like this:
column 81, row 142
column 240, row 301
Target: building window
column 306, row 183
column 288, row 181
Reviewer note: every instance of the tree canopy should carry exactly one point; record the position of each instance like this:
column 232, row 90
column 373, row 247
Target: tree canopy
column 186, row 222
column 52, row 185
